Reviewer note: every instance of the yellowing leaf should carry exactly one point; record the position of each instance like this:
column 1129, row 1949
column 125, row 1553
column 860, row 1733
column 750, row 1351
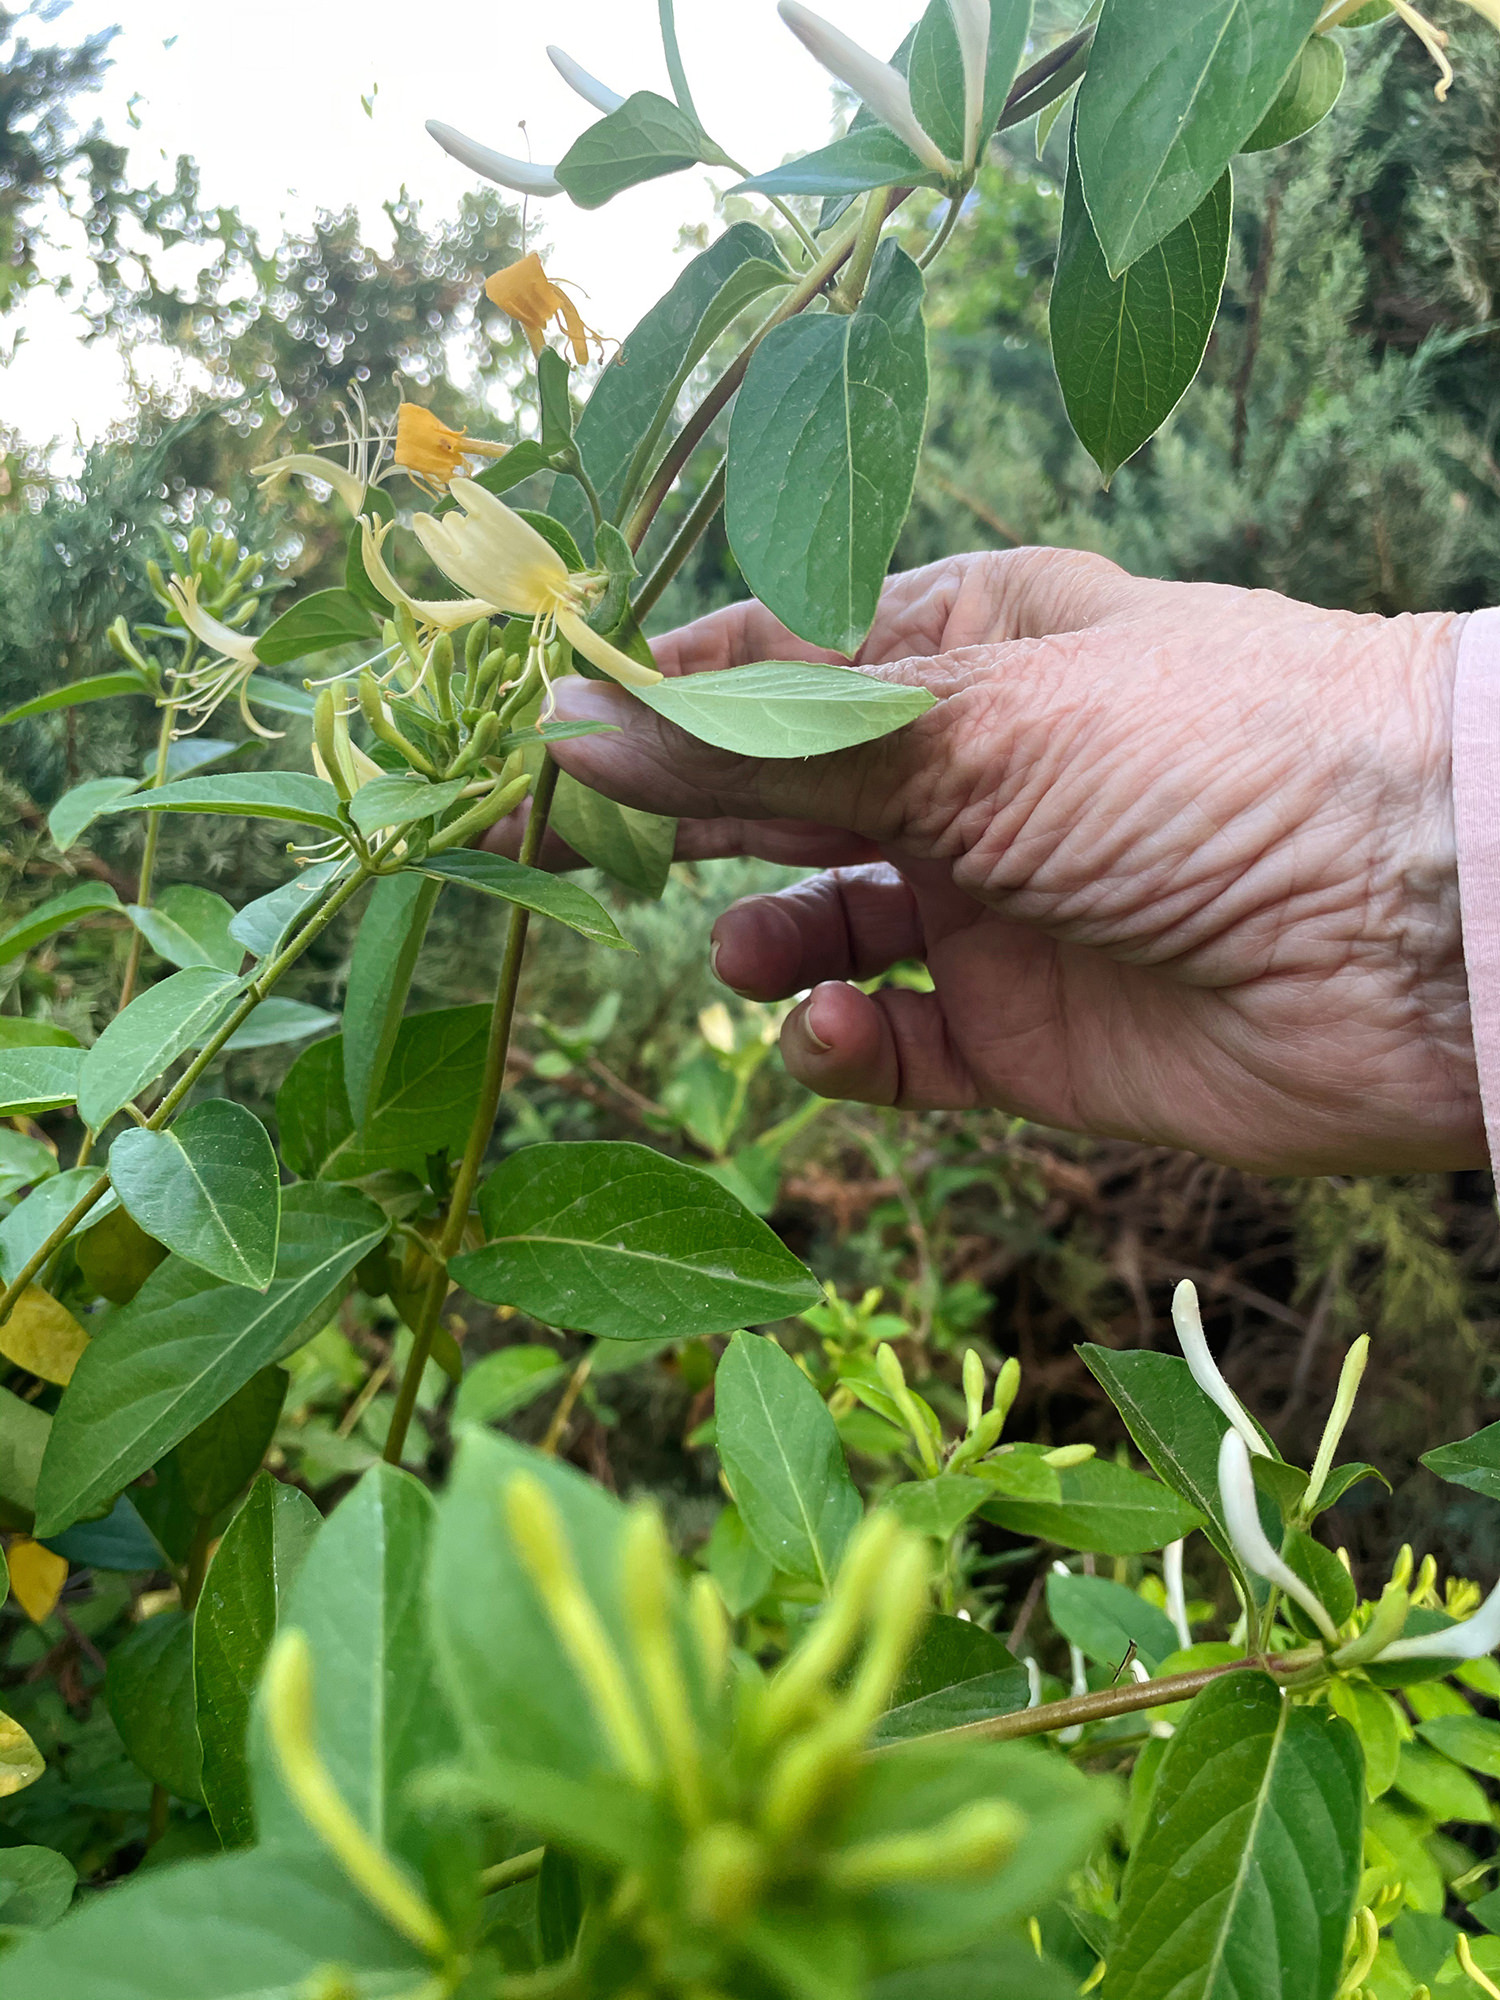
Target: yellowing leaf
column 36, row 1580
column 42, row 1336
column 21, row 1762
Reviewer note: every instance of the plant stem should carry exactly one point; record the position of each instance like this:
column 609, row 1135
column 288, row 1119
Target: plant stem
column 1109, row 1702
column 502, row 1017
column 148, row 869
column 700, row 422
column 866, row 243
column 708, row 503
column 562, row 1415
column 943, row 232
column 257, row 990
column 519, row 1868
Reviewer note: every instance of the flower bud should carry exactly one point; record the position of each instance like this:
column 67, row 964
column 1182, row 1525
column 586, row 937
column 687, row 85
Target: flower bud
column 724, row 1868
column 326, row 736
column 1066, row 1456
column 973, row 1389
column 974, row 1840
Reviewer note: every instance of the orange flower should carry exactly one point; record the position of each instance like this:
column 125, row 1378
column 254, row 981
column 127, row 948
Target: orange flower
column 433, row 450
column 528, row 295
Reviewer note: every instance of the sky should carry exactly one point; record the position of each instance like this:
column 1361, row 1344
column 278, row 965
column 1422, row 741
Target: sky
column 266, row 96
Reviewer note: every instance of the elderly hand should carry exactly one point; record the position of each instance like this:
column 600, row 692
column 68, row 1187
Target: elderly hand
column 1179, row 859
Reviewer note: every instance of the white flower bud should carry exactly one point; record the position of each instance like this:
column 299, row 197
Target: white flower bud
column 524, row 176
column 883, row 89
column 589, row 88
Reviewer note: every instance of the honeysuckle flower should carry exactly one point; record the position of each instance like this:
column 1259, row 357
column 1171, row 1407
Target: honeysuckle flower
column 589, row 88
column 971, row 18
column 487, row 549
column 1188, row 1323
column 349, row 486
column 1171, row 1572
column 1470, row 1639
column 446, row 613
column 201, row 689
column 1432, row 38
column 425, row 445
column 1242, row 1519
column 534, row 302
column 882, row 88
column 522, row 176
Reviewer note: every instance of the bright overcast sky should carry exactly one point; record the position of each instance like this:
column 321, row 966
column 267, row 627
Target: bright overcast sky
column 266, row 96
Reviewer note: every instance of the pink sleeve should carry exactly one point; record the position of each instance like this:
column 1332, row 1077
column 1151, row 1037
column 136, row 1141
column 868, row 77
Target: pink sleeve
column 1476, row 810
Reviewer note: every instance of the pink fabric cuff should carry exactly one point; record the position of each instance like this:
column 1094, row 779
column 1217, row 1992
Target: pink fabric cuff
column 1476, row 812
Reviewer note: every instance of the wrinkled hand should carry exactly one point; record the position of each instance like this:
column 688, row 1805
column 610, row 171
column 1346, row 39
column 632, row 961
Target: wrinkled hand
column 1179, row 858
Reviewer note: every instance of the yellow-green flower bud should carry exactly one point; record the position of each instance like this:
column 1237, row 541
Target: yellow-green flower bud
column 197, row 547
column 476, row 645
column 1007, row 1387
column 373, row 708
column 974, row 1840
column 725, row 1868
column 710, row 1623
column 488, row 812
column 893, row 1380
column 648, row 1588
column 802, row 1682
column 1066, row 1456
column 121, row 643
column 973, row 1389
column 326, row 734
column 158, row 583
column 440, row 666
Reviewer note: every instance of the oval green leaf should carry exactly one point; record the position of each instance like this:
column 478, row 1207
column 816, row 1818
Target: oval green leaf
column 285, row 795
column 785, row 708
column 55, row 915
column 208, row 1188
column 156, row 1028
column 546, row 895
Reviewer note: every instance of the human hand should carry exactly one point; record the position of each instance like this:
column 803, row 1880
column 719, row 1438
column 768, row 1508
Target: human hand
column 1179, row 859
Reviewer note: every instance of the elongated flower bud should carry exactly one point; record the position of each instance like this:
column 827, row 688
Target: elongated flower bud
column 524, row 176
column 1242, row 1518
column 589, row 88
column 1469, row 1640
column 971, row 18
column 883, row 89
column 1188, row 1323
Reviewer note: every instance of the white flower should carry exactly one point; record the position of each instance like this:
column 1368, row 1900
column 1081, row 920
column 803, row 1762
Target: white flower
column 1470, row 1639
column 1205, row 1370
column 490, row 550
column 883, row 89
column 525, row 176
column 1171, row 1571
column 589, row 88
column 447, row 613
column 1242, row 1518
column 307, row 465
column 199, row 690
column 972, row 20
column 208, row 630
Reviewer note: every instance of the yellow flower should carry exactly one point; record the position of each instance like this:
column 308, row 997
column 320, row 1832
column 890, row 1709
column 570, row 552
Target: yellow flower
column 427, row 446
column 528, row 295
column 447, row 613
column 490, row 550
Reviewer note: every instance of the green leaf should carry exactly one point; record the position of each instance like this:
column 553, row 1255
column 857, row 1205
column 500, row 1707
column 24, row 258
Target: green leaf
column 783, row 1460
column 958, row 1674
column 403, row 796
column 379, row 1714
column 55, row 915
column 23, row 1439
column 314, row 625
column 256, row 1926
column 1439, row 1787
column 23, row 1161
column 19, row 1033
column 635, row 848
column 1325, row 1576
column 423, row 1106
column 286, row 795
column 743, row 1575
column 823, row 448
column 186, row 1343
column 33, row 1220
column 120, row 1541
column 937, row 1507
column 504, row 1382
column 243, row 1595
column 612, row 1238
column 785, row 708
column 1473, row 1462
column 1379, row 1725
column 1103, row 1619
column 546, row 895
column 157, row 1027
column 1305, row 99
column 1126, row 348
column 262, row 926
column 189, row 926
column 36, row 1887
column 523, row 461
column 149, row 1690
column 1103, row 1508
column 283, row 697
column 1244, row 1880
column 1176, row 1427
column 208, row 1188
column 1170, row 94
column 634, row 399
column 1470, row 1740
column 218, row 1460
column 99, row 687
column 936, row 75
column 38, row 1079
column 870, row 158
column 187, row 754
column 647, row 136
column 1005, row 1970
column 386, row 950
column 556, row 404
column 277, row 1021
column 76, row 811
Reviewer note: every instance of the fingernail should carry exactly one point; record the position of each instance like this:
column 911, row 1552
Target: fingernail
column 812, row 1034
column 713, row 961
